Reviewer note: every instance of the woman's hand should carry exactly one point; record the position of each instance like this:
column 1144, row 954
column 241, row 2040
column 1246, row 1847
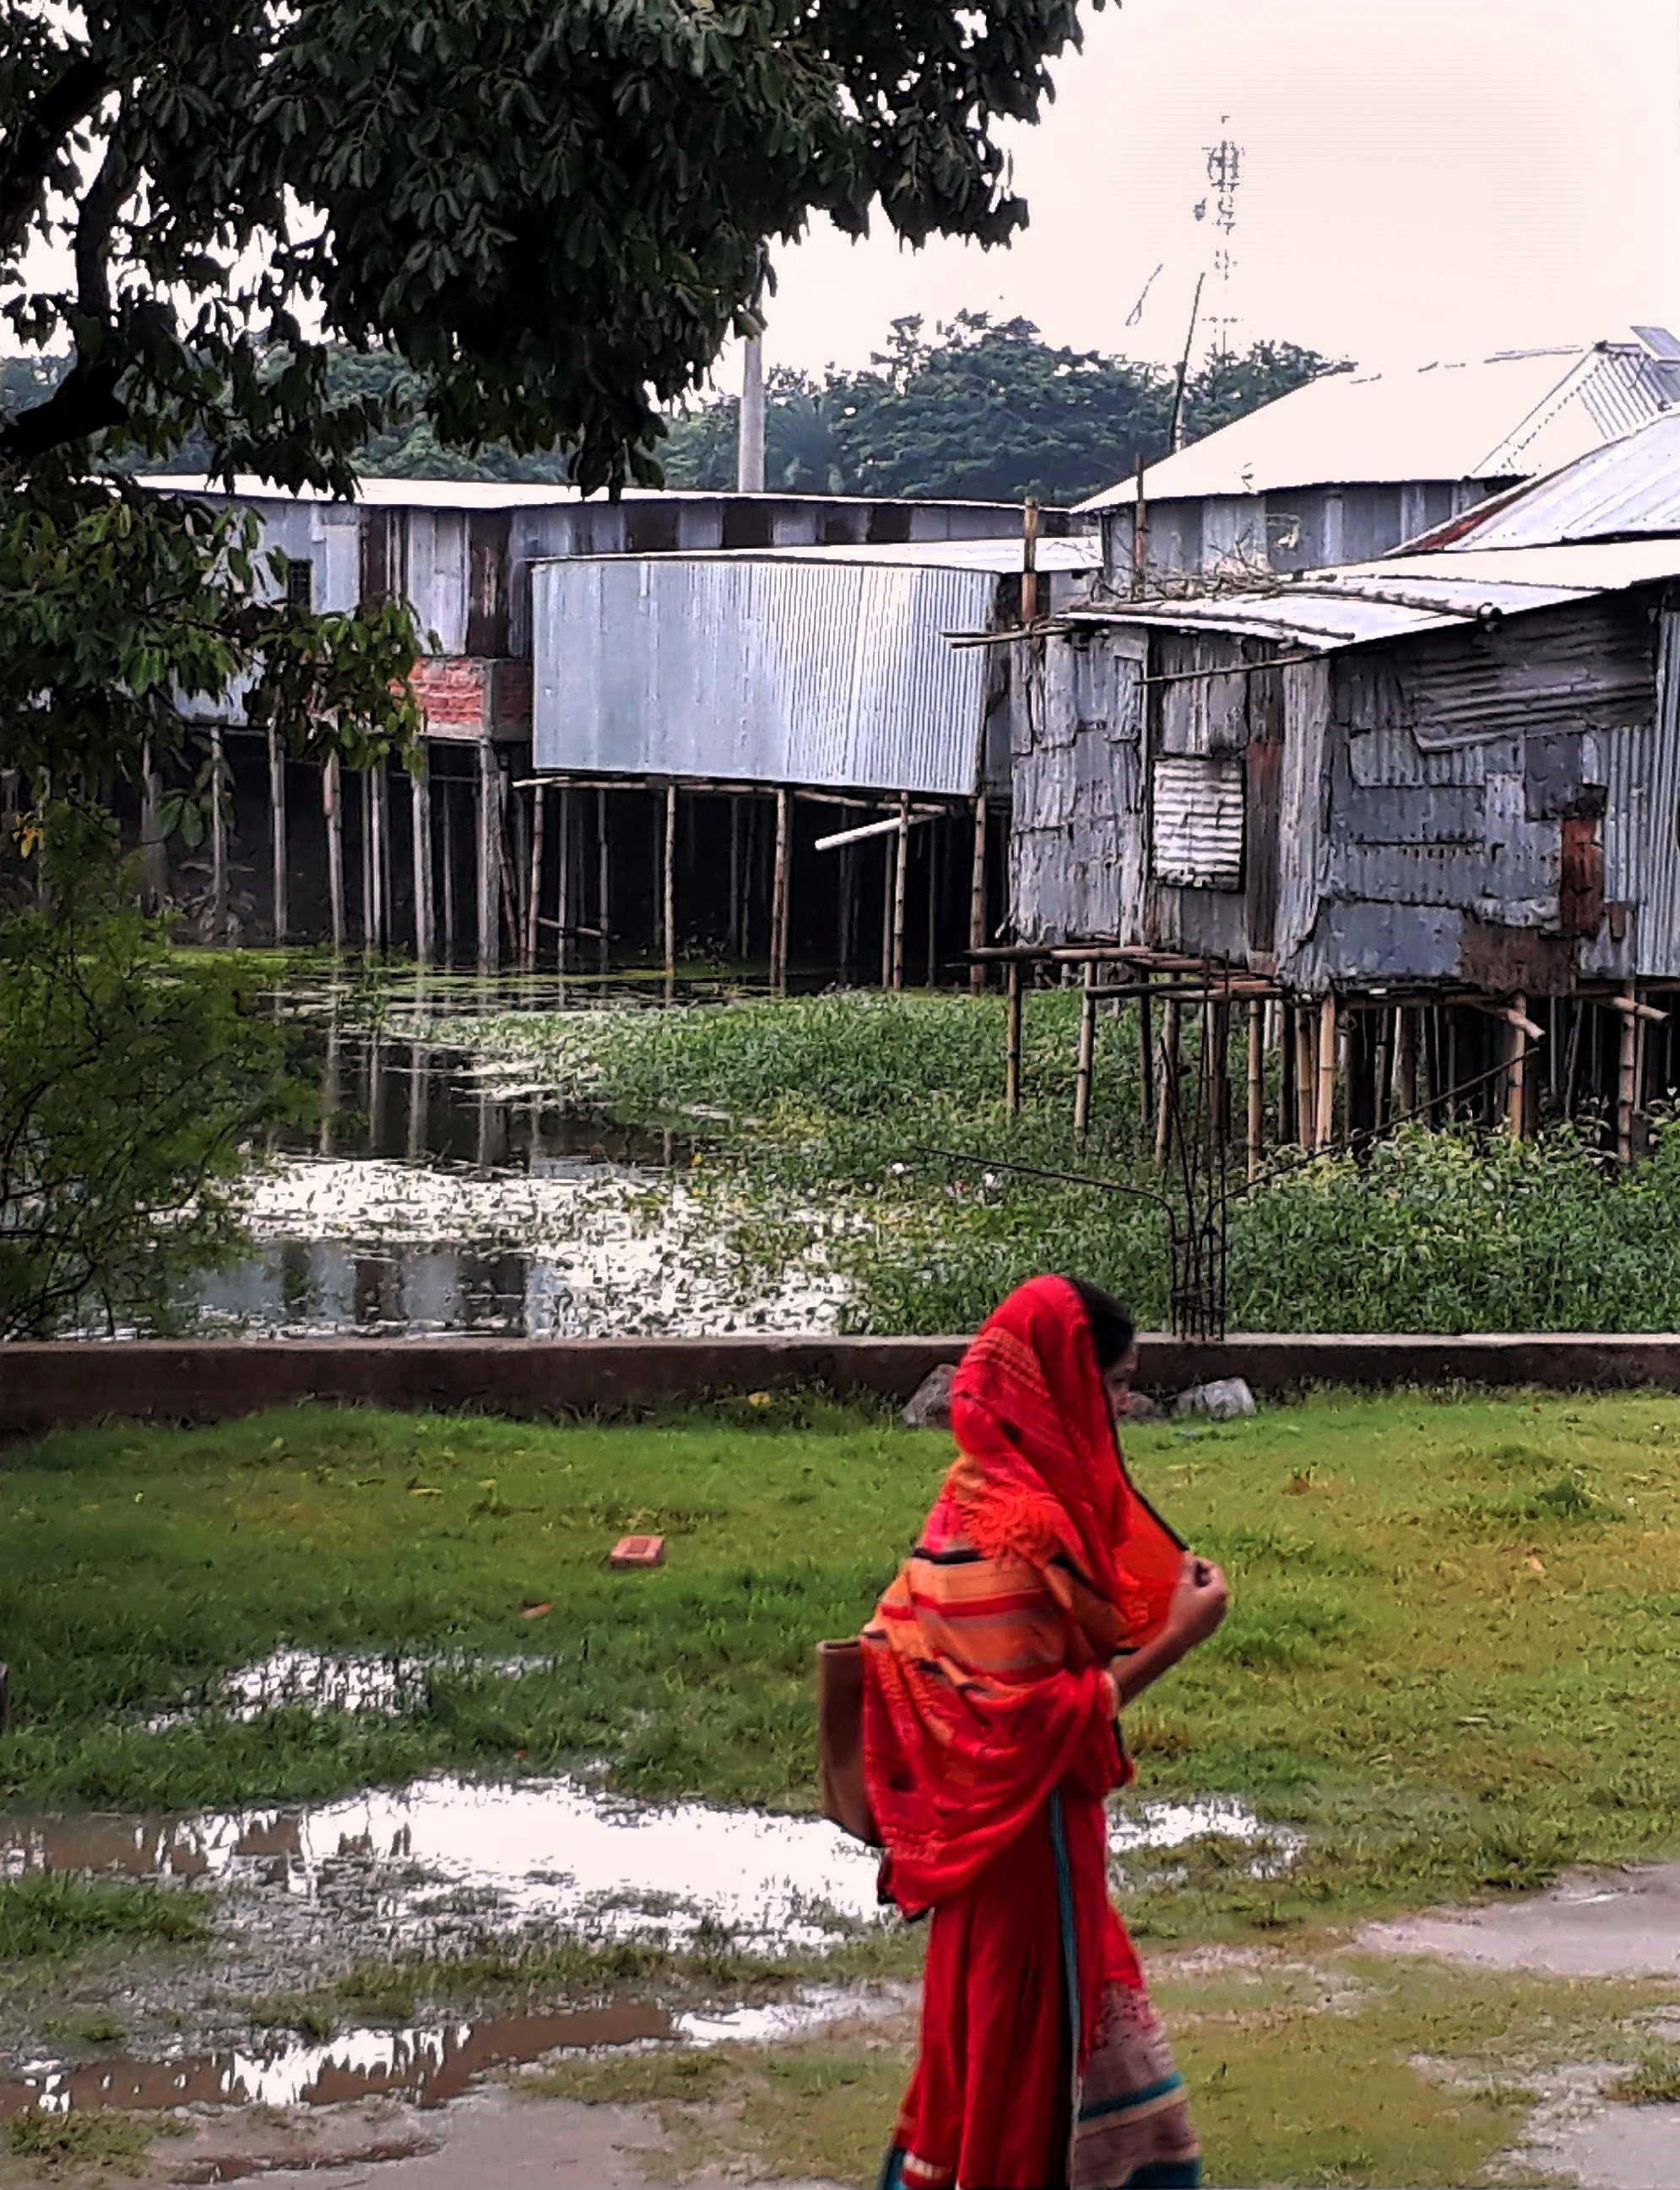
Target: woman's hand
column 1200, row 1603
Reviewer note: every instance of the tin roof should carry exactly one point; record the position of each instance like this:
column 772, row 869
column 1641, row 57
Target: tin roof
column 1324, row 610
column 1630, row 489
column 498, row 494
column 1002, row 557
column 1509, row 416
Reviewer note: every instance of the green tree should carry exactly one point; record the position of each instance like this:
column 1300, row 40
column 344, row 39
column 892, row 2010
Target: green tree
column 802, row 453
column 1234, row 382
column 130, row 1083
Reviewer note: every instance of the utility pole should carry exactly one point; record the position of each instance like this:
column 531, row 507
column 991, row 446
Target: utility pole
column 750, row 452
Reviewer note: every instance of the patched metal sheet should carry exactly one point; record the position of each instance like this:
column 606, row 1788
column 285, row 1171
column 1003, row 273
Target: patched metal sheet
column 1076, row 827
column 1659, row 946
column 774, row 671
column 1197, row 821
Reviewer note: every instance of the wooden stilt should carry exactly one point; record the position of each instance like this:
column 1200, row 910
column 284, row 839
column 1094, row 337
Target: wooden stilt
column 1306, row 1073
column 735, row 881
column 489, row 860
column 603, row 879
column 279, row 905
column 668, row 902
column 1167, row 1093
column 933, row 838
column 1216, row 1033
column 1084, row 1069
column 381, row 853
column 446, row 786
column 1289, row 1106
column 1256, row 1136
column 154, row 853
column 1406, row 1037
column 887, row 864
column 1628, row 1076
column 563, row 879
column 779, row 889
column 365, row 800
column 219, row 773
column 539, row 823
column 331, row 802
column 900, row 878
column 846, row 911
column 1146, row 1061
column 1324, row 1123
column 420, row 810
column 976, row 895
column 1012, row 1042
column 1517, row 1074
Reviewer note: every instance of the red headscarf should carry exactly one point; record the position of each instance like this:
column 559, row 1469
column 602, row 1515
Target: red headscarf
column 986, row 1683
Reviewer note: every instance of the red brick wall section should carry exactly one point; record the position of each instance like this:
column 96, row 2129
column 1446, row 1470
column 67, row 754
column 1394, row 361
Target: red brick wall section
column 453, row 690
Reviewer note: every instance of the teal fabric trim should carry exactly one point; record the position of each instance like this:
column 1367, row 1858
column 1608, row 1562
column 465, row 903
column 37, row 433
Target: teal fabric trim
column 1166, row 2175
column 1130, row 2099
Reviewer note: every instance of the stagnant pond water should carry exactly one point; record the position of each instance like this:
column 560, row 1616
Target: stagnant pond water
column 437, row 1194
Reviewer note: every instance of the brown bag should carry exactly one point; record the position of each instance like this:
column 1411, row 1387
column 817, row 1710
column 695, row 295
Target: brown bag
column 844, row 1797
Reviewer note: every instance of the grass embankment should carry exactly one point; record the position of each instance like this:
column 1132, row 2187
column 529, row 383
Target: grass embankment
column 1451, row 1661
column 823, row 1107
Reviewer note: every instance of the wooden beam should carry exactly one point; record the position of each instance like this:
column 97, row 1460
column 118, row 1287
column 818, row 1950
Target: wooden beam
column 1627, row 1074
column 668, row 902
column 489, row 863
column 420, row 809
column 1166, row 1092
column 563, row 876
column 539, row 820
column 779, row 892
column 602, row 878
column 894, row 823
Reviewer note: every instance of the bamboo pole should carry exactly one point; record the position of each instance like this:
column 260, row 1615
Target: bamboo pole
column 901, row 880
column 1167, row 1090
column 365, row 800
column 736, row 951
column 1085, row 1069
column 1012, row 1042
column 1628, row 1076
column 1407, row 1044
column 976, row 895
column 779, row 891
column 331, row 802
column 539, row 819
column 667, row 904
column 603, row 880
column 887, row 866
column 381, row 853
column 1323, row 1124
column 279, row 905
column 447, row 786
column 1257, row 1088
column 1146, row 1062
column 1516, row 1073
column 219, row 843
column 1306, row 1073
column 420, row 806
column 1029, row 561
column 932, row 841
column 563, row 876
column 489, row 875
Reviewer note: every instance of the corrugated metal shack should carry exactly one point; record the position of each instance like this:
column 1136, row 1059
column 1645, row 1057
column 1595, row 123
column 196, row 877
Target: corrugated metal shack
column 1353, row 464
column 477, row 857
column 1449, row 776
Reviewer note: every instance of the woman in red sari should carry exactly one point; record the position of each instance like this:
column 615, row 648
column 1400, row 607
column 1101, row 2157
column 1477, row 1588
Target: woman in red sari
column 1042, row 1597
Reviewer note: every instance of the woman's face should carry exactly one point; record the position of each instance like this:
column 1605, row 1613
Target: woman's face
column 1117, row 1381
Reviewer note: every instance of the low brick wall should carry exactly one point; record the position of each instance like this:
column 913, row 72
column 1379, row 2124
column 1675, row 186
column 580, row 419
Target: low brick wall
column 199, row 1380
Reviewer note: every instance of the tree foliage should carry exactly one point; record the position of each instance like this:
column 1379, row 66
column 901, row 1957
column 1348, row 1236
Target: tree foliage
column 275, row 236
column 130, row 1082
column 982, row 409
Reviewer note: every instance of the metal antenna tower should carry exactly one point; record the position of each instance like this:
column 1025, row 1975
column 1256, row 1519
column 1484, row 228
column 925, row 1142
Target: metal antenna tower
column 1224, row 176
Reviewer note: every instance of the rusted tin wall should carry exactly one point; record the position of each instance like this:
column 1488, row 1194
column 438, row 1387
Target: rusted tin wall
column 1498, row 807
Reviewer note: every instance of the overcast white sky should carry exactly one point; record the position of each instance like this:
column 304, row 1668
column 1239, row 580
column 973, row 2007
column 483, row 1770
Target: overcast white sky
column 1421, row 179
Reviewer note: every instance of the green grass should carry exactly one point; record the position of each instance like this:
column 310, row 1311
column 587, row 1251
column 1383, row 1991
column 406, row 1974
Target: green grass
column 1344, row 2071
column 60, row 1914
column 830, row 1103
column 1452, row 1675
column 111, row 2142
column 1653, row 2082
